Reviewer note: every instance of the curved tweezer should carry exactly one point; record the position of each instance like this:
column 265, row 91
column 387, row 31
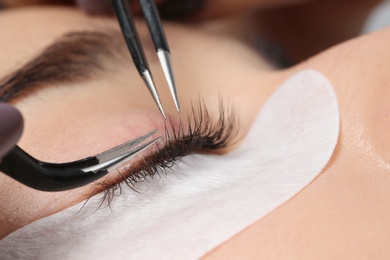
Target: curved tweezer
column 65, row 176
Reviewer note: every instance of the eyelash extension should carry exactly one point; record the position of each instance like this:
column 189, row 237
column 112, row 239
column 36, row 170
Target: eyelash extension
column 204, row 134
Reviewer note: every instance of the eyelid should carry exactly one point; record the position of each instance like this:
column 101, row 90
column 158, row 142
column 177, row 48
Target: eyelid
column 203, row 134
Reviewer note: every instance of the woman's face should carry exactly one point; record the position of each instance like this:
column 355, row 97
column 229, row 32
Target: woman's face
column 81, row 116
column 96, row 109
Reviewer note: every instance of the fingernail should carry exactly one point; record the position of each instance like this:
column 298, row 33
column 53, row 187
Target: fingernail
column 11, row 127
column 95, row 6
column 179, row 9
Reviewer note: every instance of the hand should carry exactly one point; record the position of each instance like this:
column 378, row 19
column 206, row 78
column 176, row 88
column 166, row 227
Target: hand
column 11, row 127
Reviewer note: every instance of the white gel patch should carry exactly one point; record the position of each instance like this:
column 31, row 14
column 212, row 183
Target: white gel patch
column 209, row 198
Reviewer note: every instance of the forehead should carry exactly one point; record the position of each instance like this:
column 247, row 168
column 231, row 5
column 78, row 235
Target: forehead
column 26, row 32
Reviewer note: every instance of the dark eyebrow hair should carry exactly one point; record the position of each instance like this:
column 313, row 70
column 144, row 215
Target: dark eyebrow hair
column 75, row 57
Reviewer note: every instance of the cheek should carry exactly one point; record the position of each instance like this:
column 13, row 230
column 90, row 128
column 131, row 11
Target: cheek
column 376, row 118
column 361, row 79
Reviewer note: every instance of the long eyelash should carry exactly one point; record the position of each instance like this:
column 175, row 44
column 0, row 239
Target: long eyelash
column 204, row 134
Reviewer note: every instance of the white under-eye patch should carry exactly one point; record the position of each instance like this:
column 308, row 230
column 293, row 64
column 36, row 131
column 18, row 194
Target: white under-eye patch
column 207, row 199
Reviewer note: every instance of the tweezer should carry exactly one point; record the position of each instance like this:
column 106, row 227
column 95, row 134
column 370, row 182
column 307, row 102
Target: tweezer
column 126, row 21
column 44, row 176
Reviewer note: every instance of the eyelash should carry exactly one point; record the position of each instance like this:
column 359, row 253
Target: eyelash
column 204, row 135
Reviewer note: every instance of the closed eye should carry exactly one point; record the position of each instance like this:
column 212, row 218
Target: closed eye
column 204, row 134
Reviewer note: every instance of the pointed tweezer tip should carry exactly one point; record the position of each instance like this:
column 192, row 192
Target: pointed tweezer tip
column 110, row 159
column 162, row 111
column 177, row 106
column 150, row 84
column 174, row 95
column 158, row 102
column 166, row 64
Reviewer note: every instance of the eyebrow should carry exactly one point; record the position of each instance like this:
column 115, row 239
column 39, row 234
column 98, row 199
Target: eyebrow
column 75, row 57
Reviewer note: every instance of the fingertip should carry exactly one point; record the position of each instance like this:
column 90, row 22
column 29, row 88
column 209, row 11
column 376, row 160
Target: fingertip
column 11, row 127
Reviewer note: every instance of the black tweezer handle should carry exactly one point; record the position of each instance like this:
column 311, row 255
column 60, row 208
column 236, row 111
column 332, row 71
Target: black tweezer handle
column 46, row 177
column 154, row 23
column 130, row 34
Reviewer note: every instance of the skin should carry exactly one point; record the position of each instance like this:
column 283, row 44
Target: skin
column 344, row 213
column 113, row 113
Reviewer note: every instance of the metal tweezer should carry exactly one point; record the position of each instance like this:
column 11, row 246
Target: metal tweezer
column 44, row 176
column 125, row 18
